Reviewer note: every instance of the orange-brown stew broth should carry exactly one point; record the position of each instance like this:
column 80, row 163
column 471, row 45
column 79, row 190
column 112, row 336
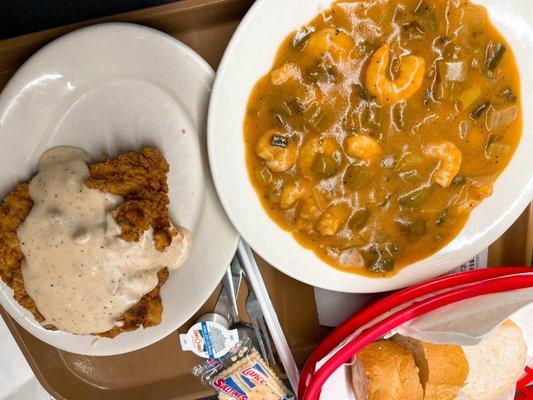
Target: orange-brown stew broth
column 374, row 168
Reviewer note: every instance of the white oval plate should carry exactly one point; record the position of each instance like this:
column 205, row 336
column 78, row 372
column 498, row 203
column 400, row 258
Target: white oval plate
column 112, row 88
column 250, row 55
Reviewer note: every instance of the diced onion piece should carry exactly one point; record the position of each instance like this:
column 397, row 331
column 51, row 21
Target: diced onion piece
column 467, row 205
column 452, row 71
column 496, row 150
column 350, row 257
column 497, row 119
column 475, row 197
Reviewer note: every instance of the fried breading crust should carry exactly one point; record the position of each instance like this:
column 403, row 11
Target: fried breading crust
column 141, row 178
column 138, row 177
column 13, row 211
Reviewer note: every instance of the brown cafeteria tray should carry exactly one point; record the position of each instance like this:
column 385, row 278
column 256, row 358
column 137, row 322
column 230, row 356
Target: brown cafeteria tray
column 162, row 371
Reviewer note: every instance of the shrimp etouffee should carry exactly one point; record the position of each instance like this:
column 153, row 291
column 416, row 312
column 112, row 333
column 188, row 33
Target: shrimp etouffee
column 380, row 126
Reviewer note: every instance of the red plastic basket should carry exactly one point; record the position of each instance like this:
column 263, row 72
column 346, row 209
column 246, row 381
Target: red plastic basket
column 436, row 293
column 524, row 388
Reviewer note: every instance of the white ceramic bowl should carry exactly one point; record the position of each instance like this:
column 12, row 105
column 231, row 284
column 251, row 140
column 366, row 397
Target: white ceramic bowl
column 250, row 55
column 112, row 88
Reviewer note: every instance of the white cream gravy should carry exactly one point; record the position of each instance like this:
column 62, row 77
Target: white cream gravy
column 76, row 268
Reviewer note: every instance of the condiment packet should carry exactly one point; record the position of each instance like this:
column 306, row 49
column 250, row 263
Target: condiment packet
column 242, row 375
column 209, row 339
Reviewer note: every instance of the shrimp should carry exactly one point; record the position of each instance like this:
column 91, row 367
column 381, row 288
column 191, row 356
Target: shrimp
column 290, row 194
column 450, row 159
column 286, row 72
column 364, row 147
column 278, row 151
column 333, row 218
column 315, row 148
column 407, row 83
column 329, row 41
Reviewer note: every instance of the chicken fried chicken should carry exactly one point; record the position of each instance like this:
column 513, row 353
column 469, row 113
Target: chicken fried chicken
column 141, row 179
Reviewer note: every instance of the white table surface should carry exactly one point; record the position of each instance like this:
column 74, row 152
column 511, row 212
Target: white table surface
column 17, row 380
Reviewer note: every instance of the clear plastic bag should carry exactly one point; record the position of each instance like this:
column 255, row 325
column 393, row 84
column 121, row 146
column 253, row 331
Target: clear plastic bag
column 242, row 374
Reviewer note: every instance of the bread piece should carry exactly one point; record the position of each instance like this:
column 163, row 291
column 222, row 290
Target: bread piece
column 384, row 370
column 443, row 368
column 496, row 363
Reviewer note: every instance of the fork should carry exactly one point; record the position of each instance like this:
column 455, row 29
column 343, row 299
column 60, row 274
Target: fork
column 258, row 323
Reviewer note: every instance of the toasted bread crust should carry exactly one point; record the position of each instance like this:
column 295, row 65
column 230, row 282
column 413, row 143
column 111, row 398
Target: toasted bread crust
column 443, row 368
column 384, row 370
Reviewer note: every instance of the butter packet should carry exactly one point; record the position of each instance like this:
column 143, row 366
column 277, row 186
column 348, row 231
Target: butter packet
column 242, row 375
column 209, row 339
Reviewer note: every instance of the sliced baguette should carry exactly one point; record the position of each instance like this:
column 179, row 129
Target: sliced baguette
column 384, row 370
column 496, row 363
column 442, row 368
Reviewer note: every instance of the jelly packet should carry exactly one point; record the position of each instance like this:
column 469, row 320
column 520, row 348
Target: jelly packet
column 242, row 374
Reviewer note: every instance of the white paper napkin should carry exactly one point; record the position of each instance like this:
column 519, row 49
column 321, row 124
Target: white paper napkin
column 467, row 322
